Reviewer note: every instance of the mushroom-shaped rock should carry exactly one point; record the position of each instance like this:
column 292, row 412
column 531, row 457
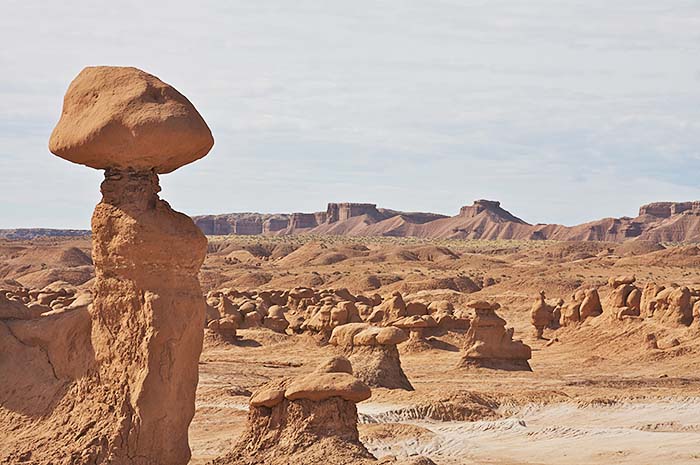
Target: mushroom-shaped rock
column 124, row 118
column 275, row 319
column 373, row 353
column 314, row 417
column 133, row 402
column 416, row 325
column 489, row 344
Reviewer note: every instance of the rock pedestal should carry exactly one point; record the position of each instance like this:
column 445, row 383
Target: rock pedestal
column 117, row 384
column 307, row 420
column 147, row 314
column 541, row 315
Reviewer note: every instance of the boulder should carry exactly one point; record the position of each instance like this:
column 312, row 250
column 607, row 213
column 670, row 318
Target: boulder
column 276, row 320
column 590, row 305
column 126, row 119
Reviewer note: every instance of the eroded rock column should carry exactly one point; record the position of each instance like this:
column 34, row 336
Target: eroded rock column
column 148, row 313
column 148, row 309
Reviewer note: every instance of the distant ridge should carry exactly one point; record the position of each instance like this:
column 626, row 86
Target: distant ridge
column 484, row 219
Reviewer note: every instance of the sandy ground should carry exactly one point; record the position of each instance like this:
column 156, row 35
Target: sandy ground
column 596, row 395
column 569, row 410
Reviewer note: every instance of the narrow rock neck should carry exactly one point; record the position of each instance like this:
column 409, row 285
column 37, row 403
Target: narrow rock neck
column 137, row 189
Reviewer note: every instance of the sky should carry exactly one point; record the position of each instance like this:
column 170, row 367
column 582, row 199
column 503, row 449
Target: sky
column 564, row 110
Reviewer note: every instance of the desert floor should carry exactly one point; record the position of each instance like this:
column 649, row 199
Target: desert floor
column 596, row 395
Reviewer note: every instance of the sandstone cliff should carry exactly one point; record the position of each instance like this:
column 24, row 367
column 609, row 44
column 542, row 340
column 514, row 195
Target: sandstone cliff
column 484, row 219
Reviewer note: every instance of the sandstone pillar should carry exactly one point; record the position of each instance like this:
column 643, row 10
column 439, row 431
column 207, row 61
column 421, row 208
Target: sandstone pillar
column 148, row 312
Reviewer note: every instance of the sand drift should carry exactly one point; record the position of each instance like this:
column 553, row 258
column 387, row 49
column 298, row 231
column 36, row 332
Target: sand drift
column 630, row 432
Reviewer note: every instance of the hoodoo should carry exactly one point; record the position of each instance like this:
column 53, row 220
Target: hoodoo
column 373, row 353
column 134, row 402
column 490, row 344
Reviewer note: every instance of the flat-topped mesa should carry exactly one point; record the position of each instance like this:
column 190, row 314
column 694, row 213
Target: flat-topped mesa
column 303, row 221
column 668, row 209
column 493, row 206
column 346, row 210
column 135, row 405
column 272, row 225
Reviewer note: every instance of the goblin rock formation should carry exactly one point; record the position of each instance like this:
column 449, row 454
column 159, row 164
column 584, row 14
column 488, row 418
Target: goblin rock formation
column 672, row 305
column 490, row 344
column 624, row 299
column 585, row 303
column 132, row 402
column 373, row 353
column 541, row 315
column 308, row 420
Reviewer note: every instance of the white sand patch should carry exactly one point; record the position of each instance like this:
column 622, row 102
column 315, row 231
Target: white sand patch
column 626, row 433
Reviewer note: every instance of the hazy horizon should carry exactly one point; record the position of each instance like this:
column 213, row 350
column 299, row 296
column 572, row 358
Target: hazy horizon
column 564, row 111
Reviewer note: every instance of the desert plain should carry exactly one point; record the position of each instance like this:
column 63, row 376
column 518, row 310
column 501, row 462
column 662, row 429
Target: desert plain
column 597, row 392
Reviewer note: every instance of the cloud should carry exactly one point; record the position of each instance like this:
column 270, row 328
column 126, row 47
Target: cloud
column 563, row 110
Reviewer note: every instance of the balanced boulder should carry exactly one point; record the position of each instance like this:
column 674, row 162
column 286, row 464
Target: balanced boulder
column 132, row 400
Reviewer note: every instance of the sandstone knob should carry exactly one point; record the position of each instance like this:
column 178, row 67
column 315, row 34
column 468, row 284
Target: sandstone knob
column 124, row 118
column 322, row 386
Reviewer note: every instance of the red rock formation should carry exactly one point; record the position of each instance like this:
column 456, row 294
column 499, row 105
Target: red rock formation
column 147, row 315
column 303, row 221
column 119, row 387
column 345, row 211
column 307, row 420
column 490, row 344
column 373, row 353
column 486, row 219
column 272, row 225
column 247, row 227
